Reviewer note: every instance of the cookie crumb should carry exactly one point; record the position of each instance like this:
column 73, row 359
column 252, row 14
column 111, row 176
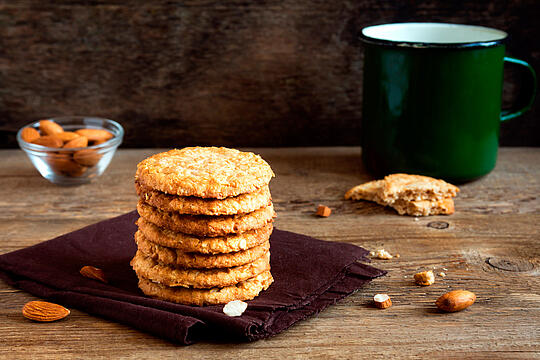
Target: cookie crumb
column 323, row 211
column 381, row 254
column 235, row 308
column 424, row 278
column 442, row 274
column 416, row 219
column 397, row 256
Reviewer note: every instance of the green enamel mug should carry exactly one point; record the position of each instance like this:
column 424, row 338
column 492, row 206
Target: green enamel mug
column 432, row 97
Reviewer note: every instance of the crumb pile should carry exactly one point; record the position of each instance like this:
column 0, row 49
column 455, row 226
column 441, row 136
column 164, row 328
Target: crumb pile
column 414, row 195
column 206, row 217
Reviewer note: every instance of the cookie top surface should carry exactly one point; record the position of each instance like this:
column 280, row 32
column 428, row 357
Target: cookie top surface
column 366, row 191
column 207, row 172
column 415, row 187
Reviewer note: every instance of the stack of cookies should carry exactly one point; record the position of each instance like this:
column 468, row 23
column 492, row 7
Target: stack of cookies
column 205, row 221
column 414, row 195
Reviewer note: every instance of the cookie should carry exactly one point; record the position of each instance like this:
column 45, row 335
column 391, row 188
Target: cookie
column 213, row 245
column 243, row 203
column 206, row 172
column 203, row 225
column 245, row 290
column 414, row 188
column 178, row 258
column 197, row 278
column 400, row 191
column 424, row 207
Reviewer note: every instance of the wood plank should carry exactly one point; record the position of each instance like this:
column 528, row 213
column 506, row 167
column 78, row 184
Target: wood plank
column 497, row 218
column 280, row 73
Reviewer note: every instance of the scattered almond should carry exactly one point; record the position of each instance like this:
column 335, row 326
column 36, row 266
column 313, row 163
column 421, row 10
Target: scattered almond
column 48, row 141
column 87, row 157
column 456, row 300
column 29, row 134
column 48, row 127
column 67, row 136
column 44, row 311
column 78, row 142
column 382, row 301
column 95, row 134
column 235, row 308
column 441, row 274
column 93, row 272
column 424, row 278
column 323, row 211
column 381, row 254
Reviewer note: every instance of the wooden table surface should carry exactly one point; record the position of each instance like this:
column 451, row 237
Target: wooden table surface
column 491, row 247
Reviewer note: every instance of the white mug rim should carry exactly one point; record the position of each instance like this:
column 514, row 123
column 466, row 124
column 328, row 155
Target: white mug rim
column 433, row 34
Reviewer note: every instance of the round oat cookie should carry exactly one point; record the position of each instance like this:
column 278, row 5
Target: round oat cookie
column 175, row 257
column 240, row 204
column 207, row 172
column 245, row 290
column 213, row 245
column 197, row 278
column 203, row 225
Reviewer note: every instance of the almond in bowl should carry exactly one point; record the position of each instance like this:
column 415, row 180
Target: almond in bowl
column 71, row 150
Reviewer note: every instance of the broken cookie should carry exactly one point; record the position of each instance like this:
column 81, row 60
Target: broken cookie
column 413, row 195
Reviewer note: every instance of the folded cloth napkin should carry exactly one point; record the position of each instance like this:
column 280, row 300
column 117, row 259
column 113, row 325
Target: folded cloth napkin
column 309, row 275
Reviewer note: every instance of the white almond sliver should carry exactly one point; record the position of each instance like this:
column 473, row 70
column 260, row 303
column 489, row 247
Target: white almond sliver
column 381, row 298
column 235, row 308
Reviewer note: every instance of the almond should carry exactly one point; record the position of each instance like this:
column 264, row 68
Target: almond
column 323, row 211
column 78, row 142
column 63, row 164
column 95, row 134
column 49, row 127
column 48, row 141
column 87, row 157
column 29, row 134
column 67, row 136
column 382, row 301
column 456, row 300
column 44, row 311
column 93, row 272
column 97, row 142
column 235, row 308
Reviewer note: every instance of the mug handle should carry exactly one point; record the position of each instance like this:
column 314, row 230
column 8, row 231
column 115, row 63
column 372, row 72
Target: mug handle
column 525, row 103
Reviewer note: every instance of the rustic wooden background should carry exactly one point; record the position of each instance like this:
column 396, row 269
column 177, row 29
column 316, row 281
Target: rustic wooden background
column 236, row 73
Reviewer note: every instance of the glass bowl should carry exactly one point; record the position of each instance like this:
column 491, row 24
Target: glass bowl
column 76, row 165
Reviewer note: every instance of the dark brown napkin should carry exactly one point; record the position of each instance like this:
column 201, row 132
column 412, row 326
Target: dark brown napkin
column 309, row 275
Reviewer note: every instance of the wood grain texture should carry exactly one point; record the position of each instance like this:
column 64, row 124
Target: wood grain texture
column 490, row 247
column 234, row 73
